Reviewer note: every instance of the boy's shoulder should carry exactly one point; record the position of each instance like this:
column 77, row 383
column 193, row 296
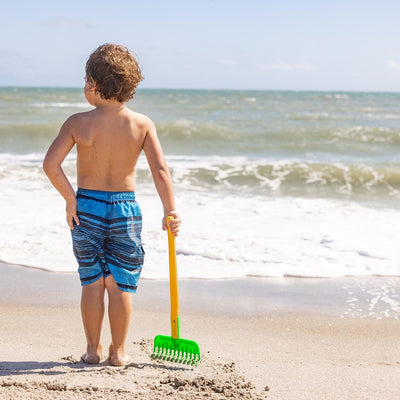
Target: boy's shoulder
column 73, row 122
column 139, row 117
column 141, row 120
column 78, row 118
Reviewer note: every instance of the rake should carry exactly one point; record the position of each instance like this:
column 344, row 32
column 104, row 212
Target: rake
column 174, row 348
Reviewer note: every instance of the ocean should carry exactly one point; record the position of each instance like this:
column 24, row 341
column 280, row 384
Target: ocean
column 268, row 183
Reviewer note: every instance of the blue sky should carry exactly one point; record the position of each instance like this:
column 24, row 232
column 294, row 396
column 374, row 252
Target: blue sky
column 212, row 44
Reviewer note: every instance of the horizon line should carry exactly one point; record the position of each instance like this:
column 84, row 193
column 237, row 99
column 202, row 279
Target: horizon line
column 213, row 89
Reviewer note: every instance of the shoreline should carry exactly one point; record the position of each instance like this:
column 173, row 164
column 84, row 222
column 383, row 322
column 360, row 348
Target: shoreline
column 358, row 297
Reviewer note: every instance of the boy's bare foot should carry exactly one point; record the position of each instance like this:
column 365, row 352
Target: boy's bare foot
column 117, row 359
column 92, row 357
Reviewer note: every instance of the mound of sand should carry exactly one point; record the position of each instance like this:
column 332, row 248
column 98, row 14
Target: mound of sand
column 144, row 378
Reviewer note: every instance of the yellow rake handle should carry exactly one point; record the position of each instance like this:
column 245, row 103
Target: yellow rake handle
column 173, row 283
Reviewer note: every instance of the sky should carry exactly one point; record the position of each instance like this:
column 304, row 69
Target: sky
column 336, row 45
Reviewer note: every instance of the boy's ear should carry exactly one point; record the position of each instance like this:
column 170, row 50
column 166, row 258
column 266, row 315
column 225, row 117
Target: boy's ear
column 92, row 84
column 95, row 87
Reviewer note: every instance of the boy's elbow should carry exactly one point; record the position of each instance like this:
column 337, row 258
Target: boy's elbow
column 48, row 166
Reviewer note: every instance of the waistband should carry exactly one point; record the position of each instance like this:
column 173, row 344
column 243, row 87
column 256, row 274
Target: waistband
column 107, row 197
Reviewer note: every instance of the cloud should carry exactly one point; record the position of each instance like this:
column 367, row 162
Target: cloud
column 393, row 64
column 285, row 67
column 68, row 23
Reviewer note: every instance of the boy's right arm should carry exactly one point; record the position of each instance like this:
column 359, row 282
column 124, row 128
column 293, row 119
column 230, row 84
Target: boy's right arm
column 161, row 176
column 55, row 155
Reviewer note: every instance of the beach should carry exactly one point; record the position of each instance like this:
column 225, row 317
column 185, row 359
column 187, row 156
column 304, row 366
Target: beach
column 257, row 341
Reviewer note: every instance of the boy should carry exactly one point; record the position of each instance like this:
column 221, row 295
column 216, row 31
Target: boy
column 103, row 216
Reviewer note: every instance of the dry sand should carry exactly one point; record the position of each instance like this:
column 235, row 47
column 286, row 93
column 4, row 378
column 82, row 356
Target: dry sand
column 255, row 355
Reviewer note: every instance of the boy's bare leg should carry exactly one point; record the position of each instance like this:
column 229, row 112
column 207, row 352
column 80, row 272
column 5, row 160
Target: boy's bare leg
column 92, row 309
column 119, row 312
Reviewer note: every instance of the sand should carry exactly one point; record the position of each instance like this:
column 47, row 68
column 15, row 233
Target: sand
column 287, row 350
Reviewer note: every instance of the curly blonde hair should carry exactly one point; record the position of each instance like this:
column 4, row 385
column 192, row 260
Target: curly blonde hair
column 114, row 71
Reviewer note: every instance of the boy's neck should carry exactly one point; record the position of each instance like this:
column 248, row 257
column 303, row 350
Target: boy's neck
column 109, row 105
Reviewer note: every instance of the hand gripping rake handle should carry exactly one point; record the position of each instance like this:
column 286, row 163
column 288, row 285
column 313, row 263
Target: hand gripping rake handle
column 173, row 283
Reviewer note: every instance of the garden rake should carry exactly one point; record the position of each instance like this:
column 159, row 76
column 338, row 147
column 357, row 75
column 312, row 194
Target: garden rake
column 173, row 348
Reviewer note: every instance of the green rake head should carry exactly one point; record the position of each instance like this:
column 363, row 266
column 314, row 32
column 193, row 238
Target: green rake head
column 182, row 351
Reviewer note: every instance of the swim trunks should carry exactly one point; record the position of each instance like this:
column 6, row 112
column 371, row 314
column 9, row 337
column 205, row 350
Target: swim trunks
column 108, row 239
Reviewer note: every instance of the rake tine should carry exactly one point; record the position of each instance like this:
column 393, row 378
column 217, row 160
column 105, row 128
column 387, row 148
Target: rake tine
column 172, row 352
column 179, row 356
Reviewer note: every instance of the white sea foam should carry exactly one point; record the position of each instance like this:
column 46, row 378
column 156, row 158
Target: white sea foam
column 309, row 115
column 224, row 234
column 364, row 301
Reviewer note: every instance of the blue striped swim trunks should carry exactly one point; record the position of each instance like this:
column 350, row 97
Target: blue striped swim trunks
column 108, row 239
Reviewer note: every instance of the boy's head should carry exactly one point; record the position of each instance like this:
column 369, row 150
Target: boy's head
column 114, row 72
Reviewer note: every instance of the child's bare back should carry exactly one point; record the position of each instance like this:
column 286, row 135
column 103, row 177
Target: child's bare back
column 109, row 141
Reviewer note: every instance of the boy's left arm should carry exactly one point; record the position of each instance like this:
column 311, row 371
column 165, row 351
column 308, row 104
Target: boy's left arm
column 55, row 155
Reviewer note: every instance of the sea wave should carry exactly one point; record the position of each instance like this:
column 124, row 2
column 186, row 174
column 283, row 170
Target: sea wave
column 283, row 177
column 236, row 131
column 254, row 176
column 187, row 135
column 287, row 176
column 25, row 138
column 317, row 116
column 367, row 134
